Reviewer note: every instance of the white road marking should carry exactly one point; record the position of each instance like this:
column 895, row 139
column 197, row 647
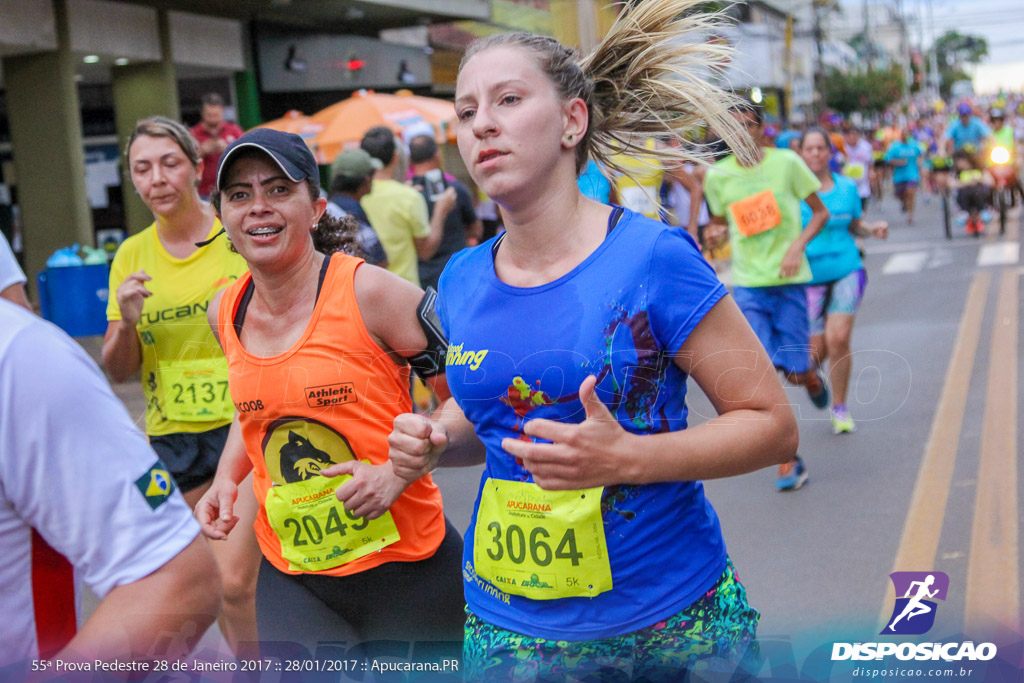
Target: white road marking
column 940, row 258
column 896, row 247
column 999, row 254
column 908, row 262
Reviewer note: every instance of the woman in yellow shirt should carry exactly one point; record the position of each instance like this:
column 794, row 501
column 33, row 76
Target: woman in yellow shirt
column 161, row 284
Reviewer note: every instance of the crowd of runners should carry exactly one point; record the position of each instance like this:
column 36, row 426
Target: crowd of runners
column 276, row 364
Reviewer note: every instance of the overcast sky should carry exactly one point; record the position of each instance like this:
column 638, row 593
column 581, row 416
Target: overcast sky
column 1001, row 22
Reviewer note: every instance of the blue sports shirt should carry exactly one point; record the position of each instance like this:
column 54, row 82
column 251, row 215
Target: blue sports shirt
column 517, row 354
column 833, row 253
column 974, row 133
column 909, row 151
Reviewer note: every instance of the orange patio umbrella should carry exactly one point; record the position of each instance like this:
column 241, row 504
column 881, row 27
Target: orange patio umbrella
column 295, row 122
column 346, row 122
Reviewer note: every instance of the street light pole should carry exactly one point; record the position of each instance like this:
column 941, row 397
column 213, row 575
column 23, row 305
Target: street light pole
column 819, row 64
column 788, row 63
column 933, row 57
column 908, row 75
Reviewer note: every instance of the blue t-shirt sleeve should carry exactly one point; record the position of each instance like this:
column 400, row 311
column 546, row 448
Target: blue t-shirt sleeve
column 683, row 288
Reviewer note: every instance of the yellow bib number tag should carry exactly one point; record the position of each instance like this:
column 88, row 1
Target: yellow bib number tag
column 197, row 391
column 756, row 214
column 971, row 177
column 315, row 529
column 854, row 171
column 541, row 544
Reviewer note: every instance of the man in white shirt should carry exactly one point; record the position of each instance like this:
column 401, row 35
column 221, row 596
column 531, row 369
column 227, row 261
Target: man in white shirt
column 77, row 474
column 12, row 279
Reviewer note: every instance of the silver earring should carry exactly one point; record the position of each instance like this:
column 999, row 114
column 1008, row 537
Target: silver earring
column 315, row 225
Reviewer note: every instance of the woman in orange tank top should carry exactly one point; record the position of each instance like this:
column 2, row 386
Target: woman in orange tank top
column 317, row 344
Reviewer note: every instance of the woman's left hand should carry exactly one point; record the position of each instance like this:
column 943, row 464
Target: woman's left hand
column 372, row 489
column 580, row 456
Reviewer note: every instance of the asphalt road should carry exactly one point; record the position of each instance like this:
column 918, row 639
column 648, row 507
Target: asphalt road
column 928, row 482
column 903, row 492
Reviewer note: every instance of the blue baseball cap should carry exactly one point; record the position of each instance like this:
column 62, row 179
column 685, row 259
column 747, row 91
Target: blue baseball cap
column 964, row 109
column 287, row 150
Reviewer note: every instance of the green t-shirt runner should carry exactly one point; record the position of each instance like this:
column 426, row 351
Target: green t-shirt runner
column 739, row 194
column 761, row 205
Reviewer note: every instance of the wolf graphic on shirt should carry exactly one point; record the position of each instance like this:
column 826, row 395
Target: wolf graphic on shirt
column 301, row 460
column 298, row 448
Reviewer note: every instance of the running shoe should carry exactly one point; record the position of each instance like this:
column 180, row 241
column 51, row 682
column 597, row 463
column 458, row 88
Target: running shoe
column 842, row 423
column 792, row 475
column 986, row 216
column 818, row 391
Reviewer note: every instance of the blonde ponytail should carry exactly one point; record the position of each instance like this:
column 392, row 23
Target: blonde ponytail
column 648, row 77
column 651, row 78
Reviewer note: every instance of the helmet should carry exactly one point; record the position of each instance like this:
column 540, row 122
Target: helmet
column 964, row 109
column 997, row 113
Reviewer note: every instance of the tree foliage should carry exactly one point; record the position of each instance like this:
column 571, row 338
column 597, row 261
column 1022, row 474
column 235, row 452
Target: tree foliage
column 870, row 91
column 954, row 49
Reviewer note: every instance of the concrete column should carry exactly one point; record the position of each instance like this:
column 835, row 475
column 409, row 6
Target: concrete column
column 586, row 22
column 143, row 90
column 46, row 140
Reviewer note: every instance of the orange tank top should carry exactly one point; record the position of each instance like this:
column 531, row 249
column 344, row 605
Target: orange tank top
column 332, row 397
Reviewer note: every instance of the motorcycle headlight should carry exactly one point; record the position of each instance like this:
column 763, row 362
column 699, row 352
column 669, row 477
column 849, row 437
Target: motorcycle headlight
column 1000, row 155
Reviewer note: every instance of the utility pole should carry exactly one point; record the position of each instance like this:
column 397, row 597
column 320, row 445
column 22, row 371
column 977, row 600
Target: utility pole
column 933, row 57
column 908, row 73
column 819, row 65
column 788, row 63
column 869, row 50
column 920, row 46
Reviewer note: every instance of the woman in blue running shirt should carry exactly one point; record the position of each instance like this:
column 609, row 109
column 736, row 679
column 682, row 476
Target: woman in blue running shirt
column 838, row 276
column 592, row 549
column 904, row 155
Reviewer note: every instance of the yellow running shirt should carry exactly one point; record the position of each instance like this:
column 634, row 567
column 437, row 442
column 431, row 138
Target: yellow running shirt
column 640, row 192
column 184, row 374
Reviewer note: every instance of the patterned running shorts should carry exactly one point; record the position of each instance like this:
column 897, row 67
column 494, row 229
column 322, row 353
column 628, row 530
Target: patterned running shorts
column 842, row 296
column 717, row 633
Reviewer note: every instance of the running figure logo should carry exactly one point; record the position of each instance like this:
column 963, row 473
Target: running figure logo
column 914, row 613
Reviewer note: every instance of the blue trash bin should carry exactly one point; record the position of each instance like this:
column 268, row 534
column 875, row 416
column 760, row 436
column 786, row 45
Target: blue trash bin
column 75, row 298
